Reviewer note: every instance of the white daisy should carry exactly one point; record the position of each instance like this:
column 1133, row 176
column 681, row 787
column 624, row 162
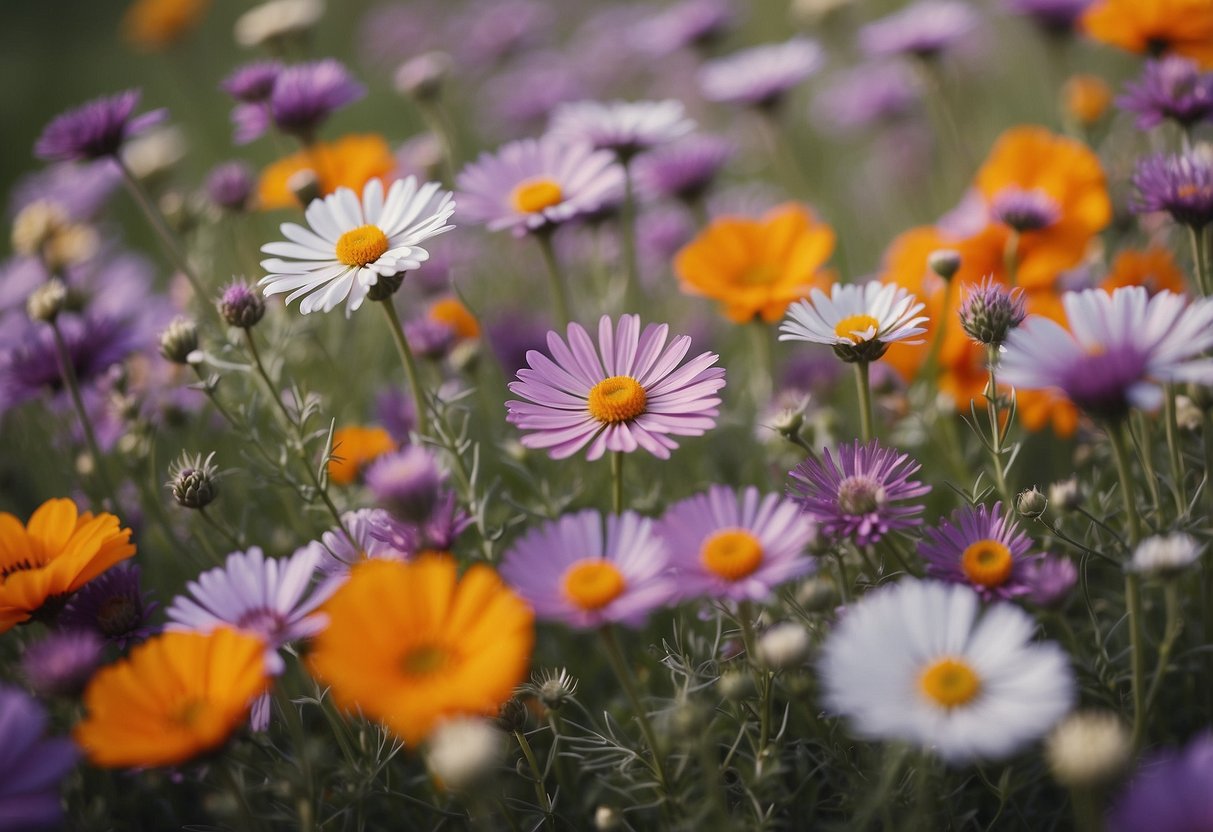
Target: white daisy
column 914, row 663
column 351, row 245
column 626, row 127
column 858, row 321
column 1165, row 554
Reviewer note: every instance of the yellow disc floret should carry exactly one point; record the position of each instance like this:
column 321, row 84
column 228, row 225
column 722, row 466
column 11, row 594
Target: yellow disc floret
column 987, row 562
column 731, row 553
column 949, row 683
column 592, row 583
column 361, row 246
column 851, row 326
column 533, row 195
column 617, row 399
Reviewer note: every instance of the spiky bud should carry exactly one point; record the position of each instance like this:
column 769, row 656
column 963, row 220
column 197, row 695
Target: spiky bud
column 990, row 311
column 193, row 481
column 180, row 340
column 241, row 305
column 945, row 262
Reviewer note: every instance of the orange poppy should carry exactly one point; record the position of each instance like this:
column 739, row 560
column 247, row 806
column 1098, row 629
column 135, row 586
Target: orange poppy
column 353, row 447
column 757, row 267
column 349, row 162
column 1154, row 268
column 1085, row 99
column 1181, row 27
column 59, row 551
column 454, row 314
column 157, row 24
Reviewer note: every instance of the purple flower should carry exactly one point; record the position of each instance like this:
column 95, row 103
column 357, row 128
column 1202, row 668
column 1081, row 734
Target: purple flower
column 1050, row 580
column 31, row 765
column 532, row 185
column 229, row 185
column 1180, row 185
column 395, row 411
column 624, row 395
column 113, row 606
column 512, row 335
column 979, row 547
column 1169, row 88
column 660, row 233
column 623, row 127
column 1169, row 793
column 683, row 170
column 78, row 189
column 406, row 482
column 376, row 534
column 1025, row 210
column 855, row 498
column 587, row 571
column 687, row 24
column 990, row 311
column 96, row 129
column 762, row 75
column 429, row 338
column 304, row 95
column 723, row 545
column 488, row 31
column 1059, row 17
column 61, row 663
column 253, row 82
column 241, row 305
column 923, row 29
column 445, row 523
column 867, row 95
column 521, row 98
column 262, row 596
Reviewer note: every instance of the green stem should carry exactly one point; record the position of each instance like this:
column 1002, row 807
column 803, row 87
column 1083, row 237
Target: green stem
column 411, row 372
column 1199, row 264
column 996, row 433
column 1118, row 434
column 931, row 366
column 1137, row 648
column 217, row 526
column 619, row 665
column 627, row 220
column 541, row 793
column 864, row 389
column 617, row 482
column 434, row 118
column 1174, row 626
column 844, row 592
column 762, row 678
column 763, row 368
column 555, row 280
column 68, row 371
column 1177, row 464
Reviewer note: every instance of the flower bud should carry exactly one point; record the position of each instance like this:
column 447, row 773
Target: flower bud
column 179, row 341
column 512, row 715
column 736, row 685
column 1031, row 503
column 990, row 311
column 192, row 481
column 47, row 301
column 462, row 752
column 607, row 819
column 1088, row 749
column 783, row 646
column 945, row 262
column 1187, row 415
column 230, row 186
column 241, row 305
column 422, row 77
column 1065, row 495
column 555, row 688
column 1165, row 556
column 305, row 185
column 406, row 482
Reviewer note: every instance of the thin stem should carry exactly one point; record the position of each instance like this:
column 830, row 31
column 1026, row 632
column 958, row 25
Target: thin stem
column 627, row 222
column 436, row 121
column 762, row 678
column 541, row 793
column 68, row 371
column 1174, row 626
column 617, row 482
column 619, row 665
column 844, row 592
column 931, row 365
column 1117, row 433
column 1173, row 450
column 763, row 368
column 411, row 372
column 996, row 433
column 864, row 390
column 1137, row 648
column 555, row 280
column 1199, row 265
column 231, row 539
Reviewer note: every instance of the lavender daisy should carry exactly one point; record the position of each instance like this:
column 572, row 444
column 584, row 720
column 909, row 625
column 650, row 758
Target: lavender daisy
column 61, row 663
column 252, row 83
column 683, row 170
column 113, row 606
column 32, row 765
column 861, row 497
column 923, row 29
column 867, row 95
column 687, row 24
column 1172, row 88
column 96, row 129
column 375, row 533
column 587, row 571
column 353, row 244
column 1118, row 350
column 980, row 547
column 723, row 545
column 534, row 185
column 760, row 76
column 628, row 393
column 262, row 596
column 1170, row 792
column 623, row 127
column 1182, row 186
column 305, row 95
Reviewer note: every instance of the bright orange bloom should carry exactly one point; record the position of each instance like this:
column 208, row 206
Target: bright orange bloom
column 758, row 267
column 1181, row 27
column 454, row 314
column 349, row 162
column 57, row 553
column 174, row 697
column 411, row 644
column 157, row 24
column 1085, row 98
column 1154, row 268
column 353, row 447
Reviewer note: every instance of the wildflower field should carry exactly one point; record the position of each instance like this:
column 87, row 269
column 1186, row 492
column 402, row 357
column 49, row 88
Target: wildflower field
column 558, row 415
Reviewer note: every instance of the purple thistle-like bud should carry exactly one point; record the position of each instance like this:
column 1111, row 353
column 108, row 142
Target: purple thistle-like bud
column 990, row 311
column 305, row 95
column 229, row 185
column 1170, row 88
column 96, row 129
column 62, row 663
column 406, row 482
column 241, row 305
column 1182, row 186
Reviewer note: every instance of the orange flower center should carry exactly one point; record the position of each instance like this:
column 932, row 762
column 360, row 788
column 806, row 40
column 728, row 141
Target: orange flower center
column 533, row 195
column 987, row 563
column 949, row 683
column 593, row 583
column 852, row 326
column 363, row 245
column 189, row 713
column 731, row 553
column 617, row 399
column 762, row 274
column 424, row 660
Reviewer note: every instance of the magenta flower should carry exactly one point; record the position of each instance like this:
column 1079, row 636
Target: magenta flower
column 982, row 548
column 586, row 571
column 723, row 545
column 861, row 497
column 61, row 662
column 96, row 129
column 305, row 95
column 533, row 185
column 628, row 393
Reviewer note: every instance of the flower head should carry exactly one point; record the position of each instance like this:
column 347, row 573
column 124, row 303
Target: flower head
column 866, row 96
column 406, row 482
column 622, row 127
column 981, row 547
column 990, row 311
column 532, row 185
column 352, row 245
column 1153, row 268
column 56, row 553
column 858, row 321
column 1181, row 27
column 112, row 605
column 33, row 765
column 683, row 170
column 173, row 698
column 61, row 663
column 375, row 533
column 723, row 545
column 155, row 25
column 586, row 570
column 916, row 662
column 252, row 83
column 1169, row 88
column 1182, row 186
column 275, row 21
column 96, row 129
column 924, row 28
column 230, row 186
column 1049, row 580
column 348, row 162
column 1169, row 792
column 305, row 95
column 412, row 644
column 1054, row 16
column 241, row 305
column 1089, row 749
column 627, row 393
column 688, row 23
column 193, row 480
column 859, row 497
column 761, row 76
column 354, row 447
column 1117, row 351
column 1165, row 555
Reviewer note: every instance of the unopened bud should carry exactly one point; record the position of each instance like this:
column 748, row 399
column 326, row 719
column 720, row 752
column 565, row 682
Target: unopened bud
column 1031, row 503
column 945, row 262
column 783, row 646
column 1088, row 749
column 607, row 819
column 47, row 301
column 463, row 751
column 241, row 305
column 305, row 185
column 422, row 77
column 193, row 481
column 1065, row 495
column 179, row 341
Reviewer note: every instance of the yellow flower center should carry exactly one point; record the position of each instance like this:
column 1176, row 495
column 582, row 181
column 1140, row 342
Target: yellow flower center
column 852, row 325
column 593, row 583
column 188, row 714
column 731, row 553
column 617, row 399
column 424, row 660
column 987, row 563
column 949, row 683
column 762, row 274
column 363, row 245
column 533, row 195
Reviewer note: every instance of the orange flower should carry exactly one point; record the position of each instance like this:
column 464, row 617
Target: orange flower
column 1153, row 268
column 56, row 554
column 157, row 24
column 176, row 696
column 454, row 314
column 349, row 162
column 1182, row 27
column 1085, row 98
column 757, row 267
column 411, row 644
column 353, row 447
